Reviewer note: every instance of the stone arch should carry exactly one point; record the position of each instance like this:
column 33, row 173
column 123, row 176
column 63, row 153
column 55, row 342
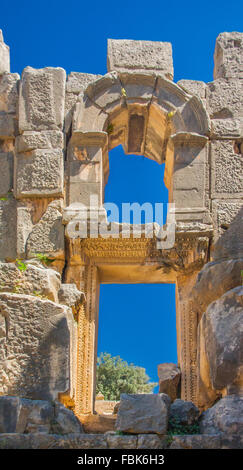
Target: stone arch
column 148, row 115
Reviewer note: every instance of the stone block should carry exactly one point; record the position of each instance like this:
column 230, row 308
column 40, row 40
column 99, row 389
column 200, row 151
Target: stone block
column 105, row 91
column 6, row 176
column 121, row 442
column 221, row 327
column 9, row 92
column 47, row 235
column 226, row 417
column 227, row 171
column 4, row 55
column 37, row 350
column 39, row 174
column 189, row 185
column 195, row 88
column 36, row 280
column 69, row 295
column 226, row 128
column 87, row 117
column 65, row 421
column 184, row 412
column 224, row 212
column 143, row 413
column 169, row 379
column 138, row 87
column 196, row 441
column 8, row 224
column 31, row 140
column 224, row 99
column 8, row 125
column 9, row 414
column 228, row 55
column 230, row 243
column 125, row 55
column 81, row 192
column 151, row 441
column 41, row 99
column 77, row 81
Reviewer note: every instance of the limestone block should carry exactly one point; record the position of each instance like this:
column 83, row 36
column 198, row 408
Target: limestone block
column 39, row 174
column 143, row 413
column 9, row 92
column 125, row 55
column 65, row 421
column 196, row 441
column 8, row 126
column 228, row 55
column 36, row 280
column 224, row 212
column 47, row 235
column 81, row 192
column 36, row 352
column 10, row 414
column 31, row 140
column 214, row 280
column 105, row 91
column 69, row 295
column 87, row 117
column 8, row 224
column 77, row 81
column 6, row 175
column 35, row 416
column 184, row 412
column 41, row 99
column 121, row 442
column 138, row 87
column 227, row 171
column 226, row 128
column 230, row 243
column 221, row 326
column 151, row 441
column 226, row 416
column 4, row 55
column 189, row 185
column 52, row 441
column 194, row 87
column 224, row 99
column 169, row 379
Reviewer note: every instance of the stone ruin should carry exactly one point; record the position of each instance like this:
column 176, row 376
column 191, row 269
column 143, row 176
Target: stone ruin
column 55, row 135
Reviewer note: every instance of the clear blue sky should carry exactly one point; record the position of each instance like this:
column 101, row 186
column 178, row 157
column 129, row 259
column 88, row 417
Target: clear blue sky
column 137, row 322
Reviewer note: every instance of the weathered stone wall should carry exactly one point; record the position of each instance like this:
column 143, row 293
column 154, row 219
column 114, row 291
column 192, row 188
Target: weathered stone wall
column 55, row 134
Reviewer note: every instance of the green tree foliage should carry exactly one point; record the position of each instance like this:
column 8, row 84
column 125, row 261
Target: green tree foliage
column 115, row 376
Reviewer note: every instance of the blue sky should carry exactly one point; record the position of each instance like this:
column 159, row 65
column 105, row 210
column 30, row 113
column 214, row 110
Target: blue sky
column 137, row 322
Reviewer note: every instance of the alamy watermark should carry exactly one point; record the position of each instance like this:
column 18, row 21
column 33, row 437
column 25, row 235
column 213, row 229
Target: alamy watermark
column 92, row 221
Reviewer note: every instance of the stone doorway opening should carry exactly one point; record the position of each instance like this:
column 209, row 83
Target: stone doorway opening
column 138, row 323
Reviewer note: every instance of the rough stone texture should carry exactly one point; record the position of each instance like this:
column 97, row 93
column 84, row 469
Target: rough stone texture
column 145, row 413
column 9, row 92
column 214, row 280
column 69, row 295
column 230, row 244
column 184, row 412
column 195, row 441
column 6, row 176
column 35, row 279
column 222, row 328
column 151, row 441
column 226, row 128
column 41, row 99
column 98, row 423
column 77, row 81
column 8, row 225
column 226, row 416
column 39, row 174
column 47, row 236
column 224, row 98
column 65, row 421
column 121, row 442
column 228, row 55
column 7, row 125
column 4, row 55
column 52, row 441
column 31, row 140
column 224, row 213
column 126, row 55
column 36, row 347
column 194, row 87
column 227, row 170
column 169, row 379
